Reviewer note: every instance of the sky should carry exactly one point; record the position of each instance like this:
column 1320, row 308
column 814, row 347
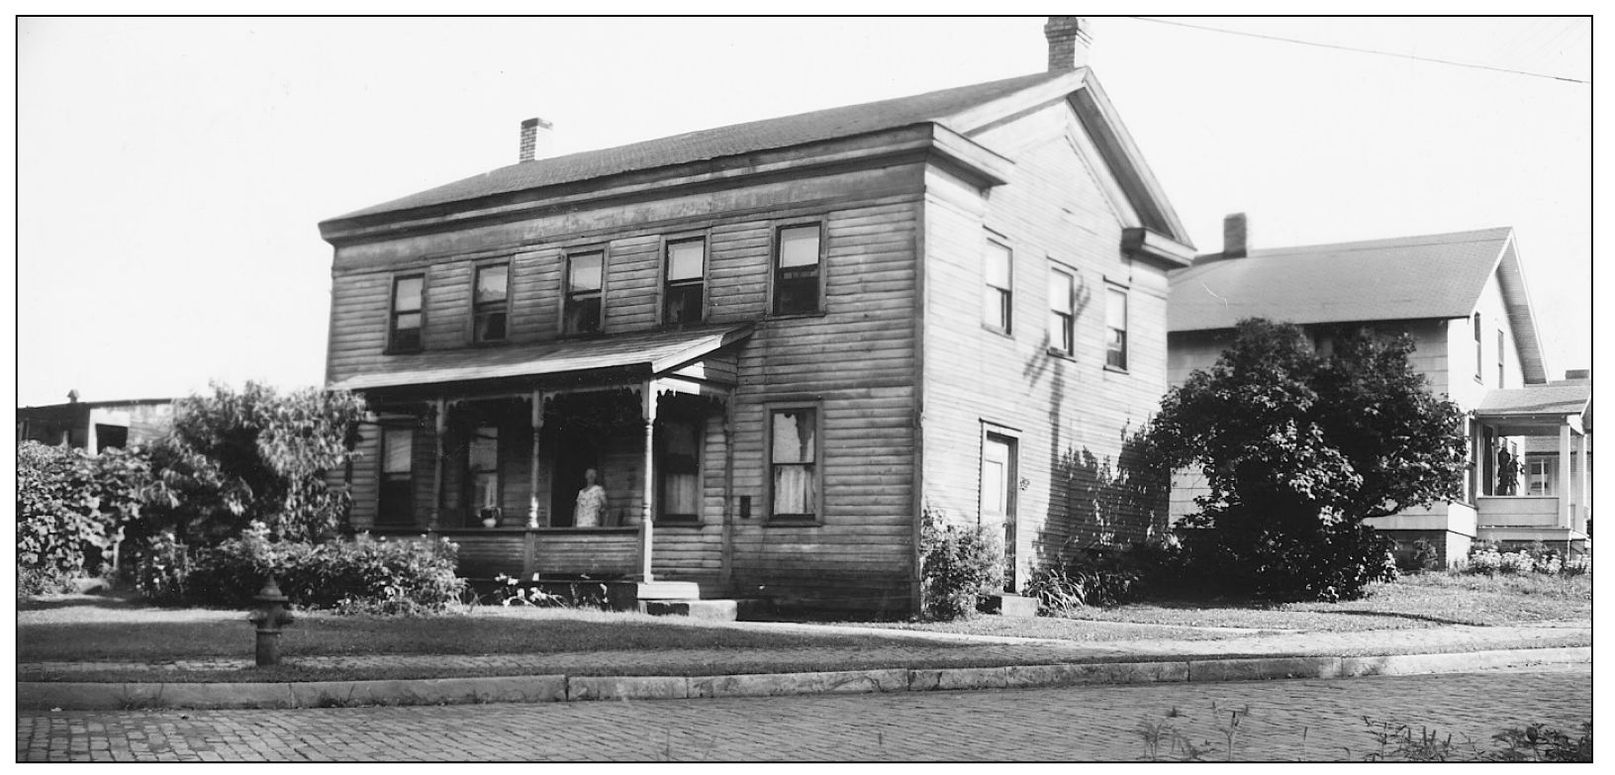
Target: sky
column 171, row 172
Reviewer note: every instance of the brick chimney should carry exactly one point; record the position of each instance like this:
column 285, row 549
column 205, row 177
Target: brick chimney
column 1578, row 374
column 1235, row 236
column 73, row 396
column 1068, row 42
column 535, row 139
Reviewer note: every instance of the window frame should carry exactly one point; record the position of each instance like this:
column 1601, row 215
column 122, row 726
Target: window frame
column 1006, row 299
column 1068, row 320
column 1480, row 356
column 774, row 268
column 817, row 517
column 567, row 293
column 1501, row 360
column 1111, row 291
column 667, row 285
column 393, row 314
column 476, row 311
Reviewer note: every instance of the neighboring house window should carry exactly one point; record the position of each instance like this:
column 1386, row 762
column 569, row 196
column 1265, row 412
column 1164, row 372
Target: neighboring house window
column 1478, row 377
column 678, row 470
column 1500, row 359
column 1062, row 321
column 997, row 296
column 793, row 463
column 797, row 258
column 484, row 465
column 397, row 502
column 1116, row 328
column 585, row 285
column 491, row 302
column 404, row 326
column 684, row 290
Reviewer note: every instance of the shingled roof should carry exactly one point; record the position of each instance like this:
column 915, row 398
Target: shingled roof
column 1428, row 276
column 706, row 144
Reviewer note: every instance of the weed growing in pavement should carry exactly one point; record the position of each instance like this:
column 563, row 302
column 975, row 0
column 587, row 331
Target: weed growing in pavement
column 1230, row 728
column 1163, row 741
column 1542, row 743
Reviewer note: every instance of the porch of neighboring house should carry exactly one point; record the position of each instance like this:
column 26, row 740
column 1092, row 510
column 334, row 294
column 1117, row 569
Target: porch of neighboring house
column 1534, row 447
column 493, row 457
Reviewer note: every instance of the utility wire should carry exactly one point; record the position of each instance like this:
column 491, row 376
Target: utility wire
column 1359, row 50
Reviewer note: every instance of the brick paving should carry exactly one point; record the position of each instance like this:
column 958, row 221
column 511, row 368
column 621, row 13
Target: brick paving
column 1278, row 721
column 897, row 649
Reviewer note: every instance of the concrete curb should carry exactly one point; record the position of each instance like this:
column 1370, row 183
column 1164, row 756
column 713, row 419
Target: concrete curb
column 41, row 695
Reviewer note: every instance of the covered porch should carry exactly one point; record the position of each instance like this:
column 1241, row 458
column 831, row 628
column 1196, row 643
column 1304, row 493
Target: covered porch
column 1534, row 449
column 554, row 461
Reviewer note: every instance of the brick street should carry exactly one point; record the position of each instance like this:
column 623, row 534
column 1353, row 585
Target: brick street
column 1277, row 720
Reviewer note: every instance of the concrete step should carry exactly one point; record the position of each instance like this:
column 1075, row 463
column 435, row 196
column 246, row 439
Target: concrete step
column 724, row 610
column 1012, row 606
column 667, row 590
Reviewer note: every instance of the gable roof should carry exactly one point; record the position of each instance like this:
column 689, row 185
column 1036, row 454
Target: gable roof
column 1405, row 278
column 963, row 109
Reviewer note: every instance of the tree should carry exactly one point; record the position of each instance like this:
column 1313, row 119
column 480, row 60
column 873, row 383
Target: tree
column 257, row 455
column 1299, row 447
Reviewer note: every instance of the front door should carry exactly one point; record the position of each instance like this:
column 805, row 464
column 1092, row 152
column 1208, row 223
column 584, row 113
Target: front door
column 998, row 480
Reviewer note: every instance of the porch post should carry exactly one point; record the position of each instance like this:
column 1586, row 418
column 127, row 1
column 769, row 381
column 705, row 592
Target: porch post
column 1564, row 475
column 532, row 473
column 1583, row 493
column 440, row 409
column 728, row 551
column 647, row 501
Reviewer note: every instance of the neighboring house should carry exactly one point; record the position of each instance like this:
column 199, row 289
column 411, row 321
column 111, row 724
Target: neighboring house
column 1462, row 298
column 779, row 344
column 96, row 425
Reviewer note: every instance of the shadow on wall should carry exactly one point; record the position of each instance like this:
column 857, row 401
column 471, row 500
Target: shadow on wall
column 1097, row 501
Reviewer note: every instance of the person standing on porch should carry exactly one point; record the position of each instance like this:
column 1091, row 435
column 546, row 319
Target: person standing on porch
column 1508, row 472
column 591, row 502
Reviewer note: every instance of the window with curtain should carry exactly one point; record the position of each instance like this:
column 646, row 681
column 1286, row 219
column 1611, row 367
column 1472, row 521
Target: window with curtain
column 678, row 468
column 793, row 462
column 484, row 464
column 683, row 291
column 396, row 503
column 490, row 303
column 585, row 285
column 404, row 324
column 796, row 270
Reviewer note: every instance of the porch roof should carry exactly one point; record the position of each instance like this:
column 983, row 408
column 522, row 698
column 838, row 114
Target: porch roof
column 651, row 353
column 1545, row 404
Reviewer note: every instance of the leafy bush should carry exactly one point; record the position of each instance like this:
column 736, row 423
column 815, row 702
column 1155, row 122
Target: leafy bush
column 360, row 576
column 1424, row 557
column 161, row 570
column 1105, row 576
column 256, row 455
column 958, row 564
column 72, row 507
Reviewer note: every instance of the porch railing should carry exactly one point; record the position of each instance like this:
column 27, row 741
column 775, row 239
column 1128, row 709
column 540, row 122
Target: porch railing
column 596, row 552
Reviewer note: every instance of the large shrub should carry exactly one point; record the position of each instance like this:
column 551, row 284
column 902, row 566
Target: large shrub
column 73, row 509
column 361, row 575
column 1299, row 447
column 958, row 565
column 234, row 458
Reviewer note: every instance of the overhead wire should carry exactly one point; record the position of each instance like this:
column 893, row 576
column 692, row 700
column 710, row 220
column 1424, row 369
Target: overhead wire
column 1317, row 44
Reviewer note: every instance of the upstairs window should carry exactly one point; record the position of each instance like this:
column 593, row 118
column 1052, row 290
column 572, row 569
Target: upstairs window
column 684, row 290
column 404, row 327
column 585, row 284
column 1499, row 358
column 796, row 270
column 1062, row 321
column 491, row 303
column 1477, row 349
column 1116, row 328
column 793, row 463
column 997, row 297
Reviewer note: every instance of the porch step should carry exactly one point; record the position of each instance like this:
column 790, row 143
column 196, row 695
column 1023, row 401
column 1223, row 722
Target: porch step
column 667, row 590
column 1011, row 606
column 724, row 610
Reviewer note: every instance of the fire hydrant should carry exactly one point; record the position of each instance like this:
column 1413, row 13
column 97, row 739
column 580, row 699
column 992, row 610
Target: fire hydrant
column 269, row 618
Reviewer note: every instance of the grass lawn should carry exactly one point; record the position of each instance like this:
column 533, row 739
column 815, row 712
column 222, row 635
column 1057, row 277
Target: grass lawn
column 1425, row 600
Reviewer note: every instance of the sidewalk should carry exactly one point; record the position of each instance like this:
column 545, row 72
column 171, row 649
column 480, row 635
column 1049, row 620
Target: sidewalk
column 904, row 661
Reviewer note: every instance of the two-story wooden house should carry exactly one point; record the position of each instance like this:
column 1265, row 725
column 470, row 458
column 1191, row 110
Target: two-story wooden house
column 776, row 345
column 1462, row 297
